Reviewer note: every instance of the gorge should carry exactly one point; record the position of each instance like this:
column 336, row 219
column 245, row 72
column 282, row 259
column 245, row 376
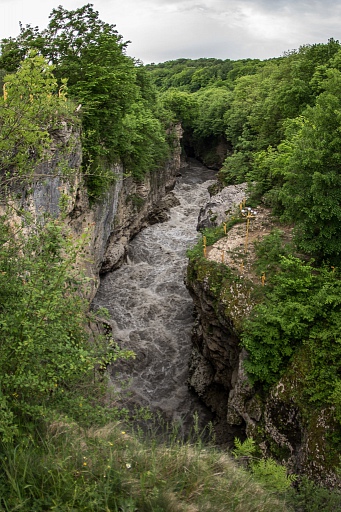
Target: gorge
column 150, row 309
column 232, row 324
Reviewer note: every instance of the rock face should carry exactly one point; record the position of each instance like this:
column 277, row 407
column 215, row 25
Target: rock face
column 215, row 356
column 275, row 419
column 47, row 193
column 282, row 425
column 123, row 211
column 214, row 359
column 221, row 205
column 138, row 205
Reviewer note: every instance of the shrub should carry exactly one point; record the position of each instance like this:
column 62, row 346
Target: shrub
column 45, row 347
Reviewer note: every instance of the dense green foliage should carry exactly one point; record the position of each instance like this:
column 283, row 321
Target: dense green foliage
column 44, row 347
column 280, row 123
column 119, row 111
column 191, row 75
column 31, row 112
column 283, row 125
column 45, row 352
column 198, row 92
column 301, row 311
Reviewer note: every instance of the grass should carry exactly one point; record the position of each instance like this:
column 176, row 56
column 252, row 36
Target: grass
column 111, row 470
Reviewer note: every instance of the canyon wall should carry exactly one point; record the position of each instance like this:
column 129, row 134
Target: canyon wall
column 285, row 428
column 123, row 210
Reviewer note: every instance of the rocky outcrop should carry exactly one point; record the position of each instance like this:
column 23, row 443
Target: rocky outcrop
column 214, row 359
column 126, row 207
column 278, row 419
column 221, row 206
column 47, row 192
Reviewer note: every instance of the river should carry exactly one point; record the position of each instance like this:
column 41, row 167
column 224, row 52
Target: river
column 151, row 311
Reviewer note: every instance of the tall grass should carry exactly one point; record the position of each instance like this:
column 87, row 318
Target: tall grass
column 112, row 470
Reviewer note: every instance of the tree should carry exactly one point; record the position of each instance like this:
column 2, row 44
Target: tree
column 31, row 110
column 311, row 168
column 183, row 105
column 212, row 106
column 143, row 143
column 90, row 55
column 43, row 338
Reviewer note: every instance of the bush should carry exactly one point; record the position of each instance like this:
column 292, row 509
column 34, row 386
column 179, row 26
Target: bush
column 273, row 476
column 45, row 348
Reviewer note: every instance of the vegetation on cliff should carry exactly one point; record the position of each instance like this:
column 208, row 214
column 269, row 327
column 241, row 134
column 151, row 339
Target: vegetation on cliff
column 122, row 120
column 275, row 119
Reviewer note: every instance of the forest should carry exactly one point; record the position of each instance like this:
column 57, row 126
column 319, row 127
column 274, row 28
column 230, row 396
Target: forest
column 280, row 121
column 274, row 124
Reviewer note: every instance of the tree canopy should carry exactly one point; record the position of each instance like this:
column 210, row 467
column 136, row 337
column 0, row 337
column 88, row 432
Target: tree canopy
column 89, row 55
column 280, row 122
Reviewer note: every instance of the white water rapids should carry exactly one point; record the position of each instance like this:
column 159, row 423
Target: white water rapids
column 151, row 310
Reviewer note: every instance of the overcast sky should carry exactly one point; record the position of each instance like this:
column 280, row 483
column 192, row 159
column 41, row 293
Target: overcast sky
column 161, row 30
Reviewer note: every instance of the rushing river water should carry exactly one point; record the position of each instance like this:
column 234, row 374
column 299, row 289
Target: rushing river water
column 151, row 310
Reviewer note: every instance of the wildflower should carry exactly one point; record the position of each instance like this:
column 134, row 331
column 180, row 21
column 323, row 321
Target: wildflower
column 123, row 432
column 128, row 466
column 85, row 463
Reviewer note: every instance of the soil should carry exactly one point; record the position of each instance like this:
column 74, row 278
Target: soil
column 236, row 249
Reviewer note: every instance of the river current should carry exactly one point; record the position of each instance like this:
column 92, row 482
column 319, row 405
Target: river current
column 151, row 311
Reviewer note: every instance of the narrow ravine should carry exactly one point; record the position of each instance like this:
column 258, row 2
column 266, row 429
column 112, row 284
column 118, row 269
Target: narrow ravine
column 151, row 310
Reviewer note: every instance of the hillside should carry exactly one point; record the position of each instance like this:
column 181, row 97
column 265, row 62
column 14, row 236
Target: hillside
column 89, row 149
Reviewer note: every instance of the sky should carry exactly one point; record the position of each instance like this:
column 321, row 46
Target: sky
column 161, row 30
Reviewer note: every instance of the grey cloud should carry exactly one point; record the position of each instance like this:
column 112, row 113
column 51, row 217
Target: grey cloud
column 270, row 6
column 169, row 29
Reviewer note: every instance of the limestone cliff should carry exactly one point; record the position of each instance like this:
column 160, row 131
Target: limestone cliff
column 278, row 419
column 126, row 207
